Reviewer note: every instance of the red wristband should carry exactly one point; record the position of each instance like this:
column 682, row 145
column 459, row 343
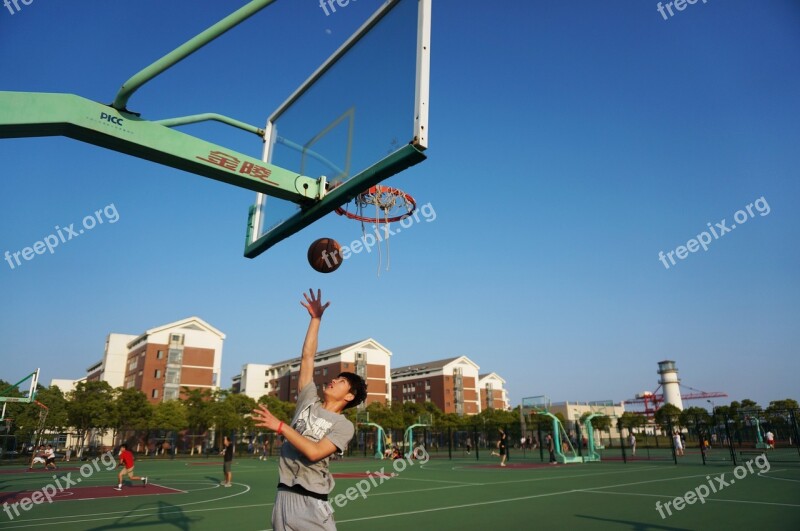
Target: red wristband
column 280, row 428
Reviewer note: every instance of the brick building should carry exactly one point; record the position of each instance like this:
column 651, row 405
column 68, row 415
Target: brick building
column 367, row 358
column 451, row 384
column 159, row 362
column 163, row 360
column 493, row 392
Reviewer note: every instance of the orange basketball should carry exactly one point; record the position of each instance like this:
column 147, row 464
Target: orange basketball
column 325, row 255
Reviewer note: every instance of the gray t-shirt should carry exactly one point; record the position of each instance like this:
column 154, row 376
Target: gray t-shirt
column 313, row 422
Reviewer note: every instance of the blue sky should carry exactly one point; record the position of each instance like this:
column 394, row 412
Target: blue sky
column 570, row 142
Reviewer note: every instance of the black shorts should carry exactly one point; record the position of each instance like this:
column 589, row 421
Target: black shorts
column 502, row 450
column 50, row 461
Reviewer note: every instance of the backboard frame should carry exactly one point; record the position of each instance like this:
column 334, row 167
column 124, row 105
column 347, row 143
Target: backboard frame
column 403, row 158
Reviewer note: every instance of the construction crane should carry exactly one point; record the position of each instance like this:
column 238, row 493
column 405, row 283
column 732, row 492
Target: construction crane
column 652, row 401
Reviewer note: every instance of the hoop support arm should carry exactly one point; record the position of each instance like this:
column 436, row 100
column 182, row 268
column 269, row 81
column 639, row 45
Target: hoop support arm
column 34, row 114
column 210, row 116
column 185, row 50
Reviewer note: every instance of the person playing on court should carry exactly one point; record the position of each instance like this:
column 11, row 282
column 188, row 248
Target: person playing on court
column 502, row 446
column 318, row 430
column 50, row 457
column 126, row 462
column 551, row 447
column 38, row 457
column 227, row 461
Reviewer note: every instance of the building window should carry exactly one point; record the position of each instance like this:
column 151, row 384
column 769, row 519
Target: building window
column 316, row 372
column 173, row 376
column 158, row 373
column 175, row 356
column 266, row 385
column 324, row 371
column 154, row 394
column 170, row 394
column 133, row 364
column 176, row 339
column 160, row 355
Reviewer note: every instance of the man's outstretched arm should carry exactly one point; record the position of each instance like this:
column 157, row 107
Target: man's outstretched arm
column 314, row 451
column 315, row 310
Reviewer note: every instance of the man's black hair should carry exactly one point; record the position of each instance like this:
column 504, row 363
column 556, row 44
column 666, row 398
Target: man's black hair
column 358, row 388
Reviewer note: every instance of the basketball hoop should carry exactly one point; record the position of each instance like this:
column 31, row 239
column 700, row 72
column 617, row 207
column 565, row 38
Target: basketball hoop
column 391, row 205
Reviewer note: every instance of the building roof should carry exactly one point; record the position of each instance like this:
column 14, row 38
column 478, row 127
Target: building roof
column 189, row 322
column 491, row 374
column 331, row 351
column 428, row 366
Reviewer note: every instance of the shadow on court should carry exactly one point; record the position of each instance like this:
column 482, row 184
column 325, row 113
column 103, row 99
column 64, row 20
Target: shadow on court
column 166, row 514
column 630, row 524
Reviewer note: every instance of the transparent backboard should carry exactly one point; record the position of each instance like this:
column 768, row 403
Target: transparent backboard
column 536, row 403
column 360, row 118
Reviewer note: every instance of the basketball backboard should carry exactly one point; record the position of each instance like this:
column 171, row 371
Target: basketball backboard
column 360, row 118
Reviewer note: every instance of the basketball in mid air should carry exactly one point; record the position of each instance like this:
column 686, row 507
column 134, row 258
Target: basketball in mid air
column 325, row 255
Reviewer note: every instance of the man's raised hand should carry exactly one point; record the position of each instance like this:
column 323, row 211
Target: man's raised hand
column 314, row 304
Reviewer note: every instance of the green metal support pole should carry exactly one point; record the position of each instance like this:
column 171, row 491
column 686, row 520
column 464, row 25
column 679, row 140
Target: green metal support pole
column 185, row 50
column 10, row 387
column 32, row 114
column 209, row 116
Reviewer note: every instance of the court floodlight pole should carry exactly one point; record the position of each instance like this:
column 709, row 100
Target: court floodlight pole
column 185, row 50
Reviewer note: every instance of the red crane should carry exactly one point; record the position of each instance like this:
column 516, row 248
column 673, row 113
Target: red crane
column 652, row 401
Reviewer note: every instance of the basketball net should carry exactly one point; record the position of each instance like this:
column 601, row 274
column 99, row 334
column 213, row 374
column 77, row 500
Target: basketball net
column 390, row 204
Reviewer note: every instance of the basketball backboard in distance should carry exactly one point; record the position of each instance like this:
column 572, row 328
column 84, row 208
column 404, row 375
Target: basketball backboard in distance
column 360, row 118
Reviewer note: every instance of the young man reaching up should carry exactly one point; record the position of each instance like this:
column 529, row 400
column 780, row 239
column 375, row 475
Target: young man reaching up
column 318, row 430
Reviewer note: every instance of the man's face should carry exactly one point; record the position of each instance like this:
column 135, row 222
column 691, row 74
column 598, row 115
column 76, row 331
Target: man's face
column 338, row 389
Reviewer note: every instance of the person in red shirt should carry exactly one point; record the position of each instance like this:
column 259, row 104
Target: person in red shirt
column 126, row 462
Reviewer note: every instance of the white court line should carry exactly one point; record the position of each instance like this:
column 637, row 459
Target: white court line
column 47, row 521
column 438, row 481
column 709, row 498
column 127, row 514
column 157, row 513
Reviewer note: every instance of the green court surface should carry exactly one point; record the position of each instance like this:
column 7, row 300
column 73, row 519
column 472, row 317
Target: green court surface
column 441, row 494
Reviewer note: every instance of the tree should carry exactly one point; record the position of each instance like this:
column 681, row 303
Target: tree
column 28, row 414
column 284, row 411
column 667, row 415
column 778, row 413
column 170, row 416
column 633, row 421
column 130, row 410
column 787, row 403
column 232, row 412
column 691, row 415
column 198, row 409
column 89, row 409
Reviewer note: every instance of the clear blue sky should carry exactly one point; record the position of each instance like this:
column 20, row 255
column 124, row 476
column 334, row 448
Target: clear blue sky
column 570, row 142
